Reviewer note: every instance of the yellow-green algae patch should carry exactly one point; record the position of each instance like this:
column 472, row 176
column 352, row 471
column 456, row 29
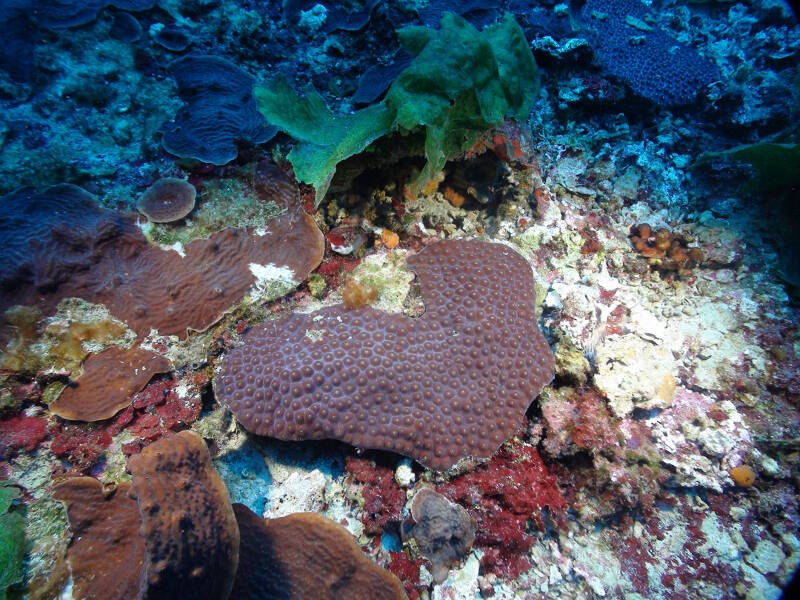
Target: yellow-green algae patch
column 388, row 275
column 47, row 534
column 221, row 204
column 77, row 329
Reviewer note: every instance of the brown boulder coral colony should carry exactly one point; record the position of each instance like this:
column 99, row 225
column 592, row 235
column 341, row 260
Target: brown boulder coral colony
column 173, row 533
column 452, row 383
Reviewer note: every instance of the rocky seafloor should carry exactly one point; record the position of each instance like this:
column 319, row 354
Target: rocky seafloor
column 646, row 167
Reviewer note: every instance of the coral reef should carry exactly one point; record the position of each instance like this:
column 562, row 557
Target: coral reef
column 660, row 462
column 343, row 382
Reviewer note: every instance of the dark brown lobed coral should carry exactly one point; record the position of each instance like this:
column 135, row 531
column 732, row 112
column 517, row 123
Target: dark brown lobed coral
column 64, row 245
column 187, row 522
column 443, row 531
column 450, row 384
column 170, row 534
column 305, row 555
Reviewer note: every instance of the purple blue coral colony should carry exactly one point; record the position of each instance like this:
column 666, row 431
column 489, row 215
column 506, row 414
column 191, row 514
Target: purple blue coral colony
column 413, row 299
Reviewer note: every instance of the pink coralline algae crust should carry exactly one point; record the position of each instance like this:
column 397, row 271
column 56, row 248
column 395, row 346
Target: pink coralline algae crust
column 21, row 433
column 407, row 571
column 452, row 383
column 80, row 446
column 383, row 498
column 501, row 497
column 159, row 410
column 579, row 422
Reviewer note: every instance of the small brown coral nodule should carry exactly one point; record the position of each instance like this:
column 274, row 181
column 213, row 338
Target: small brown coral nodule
column 351, row 382
column 167, row 200
column 443, row 530
column 305, row 555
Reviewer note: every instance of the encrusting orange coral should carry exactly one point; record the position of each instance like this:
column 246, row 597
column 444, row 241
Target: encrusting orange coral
column 743, row 476
column 453, row 197
column 389, row 238
column 356, row 295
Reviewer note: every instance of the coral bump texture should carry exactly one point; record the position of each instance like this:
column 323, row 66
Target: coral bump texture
column 450, row 384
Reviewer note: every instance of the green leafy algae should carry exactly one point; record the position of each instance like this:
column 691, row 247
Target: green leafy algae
column 460, row 83
column 12, row 539
column 775, row 166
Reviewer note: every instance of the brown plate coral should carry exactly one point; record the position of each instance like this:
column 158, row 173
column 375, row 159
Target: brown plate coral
column 109, row 381
column 452, row 383
column 106, row 555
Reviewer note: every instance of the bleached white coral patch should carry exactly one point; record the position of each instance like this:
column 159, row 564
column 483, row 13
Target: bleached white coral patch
column 272, row 282
column 299, row 492
column 634, row 373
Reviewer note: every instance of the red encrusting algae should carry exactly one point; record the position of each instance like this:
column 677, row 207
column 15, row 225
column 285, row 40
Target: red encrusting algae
column 501, row 496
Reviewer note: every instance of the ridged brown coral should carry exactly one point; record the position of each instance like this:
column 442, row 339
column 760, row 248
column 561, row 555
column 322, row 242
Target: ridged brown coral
column 108, row 383
column 65, row 245
column 187, row 522
column 305, row 555
column 170, row 534
column 452, row 383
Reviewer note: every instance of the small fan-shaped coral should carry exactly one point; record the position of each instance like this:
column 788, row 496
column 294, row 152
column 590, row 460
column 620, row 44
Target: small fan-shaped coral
column 167, row 200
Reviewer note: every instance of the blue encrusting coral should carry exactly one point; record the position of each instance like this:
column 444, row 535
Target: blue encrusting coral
column 537, row 260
